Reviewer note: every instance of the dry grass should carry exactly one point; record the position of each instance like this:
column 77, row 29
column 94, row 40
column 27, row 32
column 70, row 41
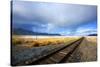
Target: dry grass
column 92, row 38
column 33, row 42
column 26, row 48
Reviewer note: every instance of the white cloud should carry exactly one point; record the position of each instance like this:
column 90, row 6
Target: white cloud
column 86, row 31
column 68, row 32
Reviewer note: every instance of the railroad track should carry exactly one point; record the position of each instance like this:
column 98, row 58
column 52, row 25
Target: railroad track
column 57, row 56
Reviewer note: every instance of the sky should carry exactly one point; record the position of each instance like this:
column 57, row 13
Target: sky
column 56, row 18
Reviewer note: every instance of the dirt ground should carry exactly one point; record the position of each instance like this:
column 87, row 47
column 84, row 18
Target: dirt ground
column 87, row 51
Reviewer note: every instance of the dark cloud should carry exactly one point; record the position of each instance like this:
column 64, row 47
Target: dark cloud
column 53, row 17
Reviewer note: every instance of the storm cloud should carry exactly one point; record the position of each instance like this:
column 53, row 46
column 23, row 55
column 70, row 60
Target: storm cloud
column 65, row 19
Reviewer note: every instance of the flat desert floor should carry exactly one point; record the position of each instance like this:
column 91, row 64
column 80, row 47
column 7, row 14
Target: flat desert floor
column 86, row 51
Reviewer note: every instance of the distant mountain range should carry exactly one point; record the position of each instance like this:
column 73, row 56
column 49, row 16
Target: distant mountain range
column 19, row 31
column 92, row 35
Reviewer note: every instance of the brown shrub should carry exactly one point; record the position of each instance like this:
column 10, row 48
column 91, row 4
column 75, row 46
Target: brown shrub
column 36, row 44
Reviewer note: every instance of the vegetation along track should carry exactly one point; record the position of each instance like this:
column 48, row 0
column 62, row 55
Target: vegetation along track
column 57, row 56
